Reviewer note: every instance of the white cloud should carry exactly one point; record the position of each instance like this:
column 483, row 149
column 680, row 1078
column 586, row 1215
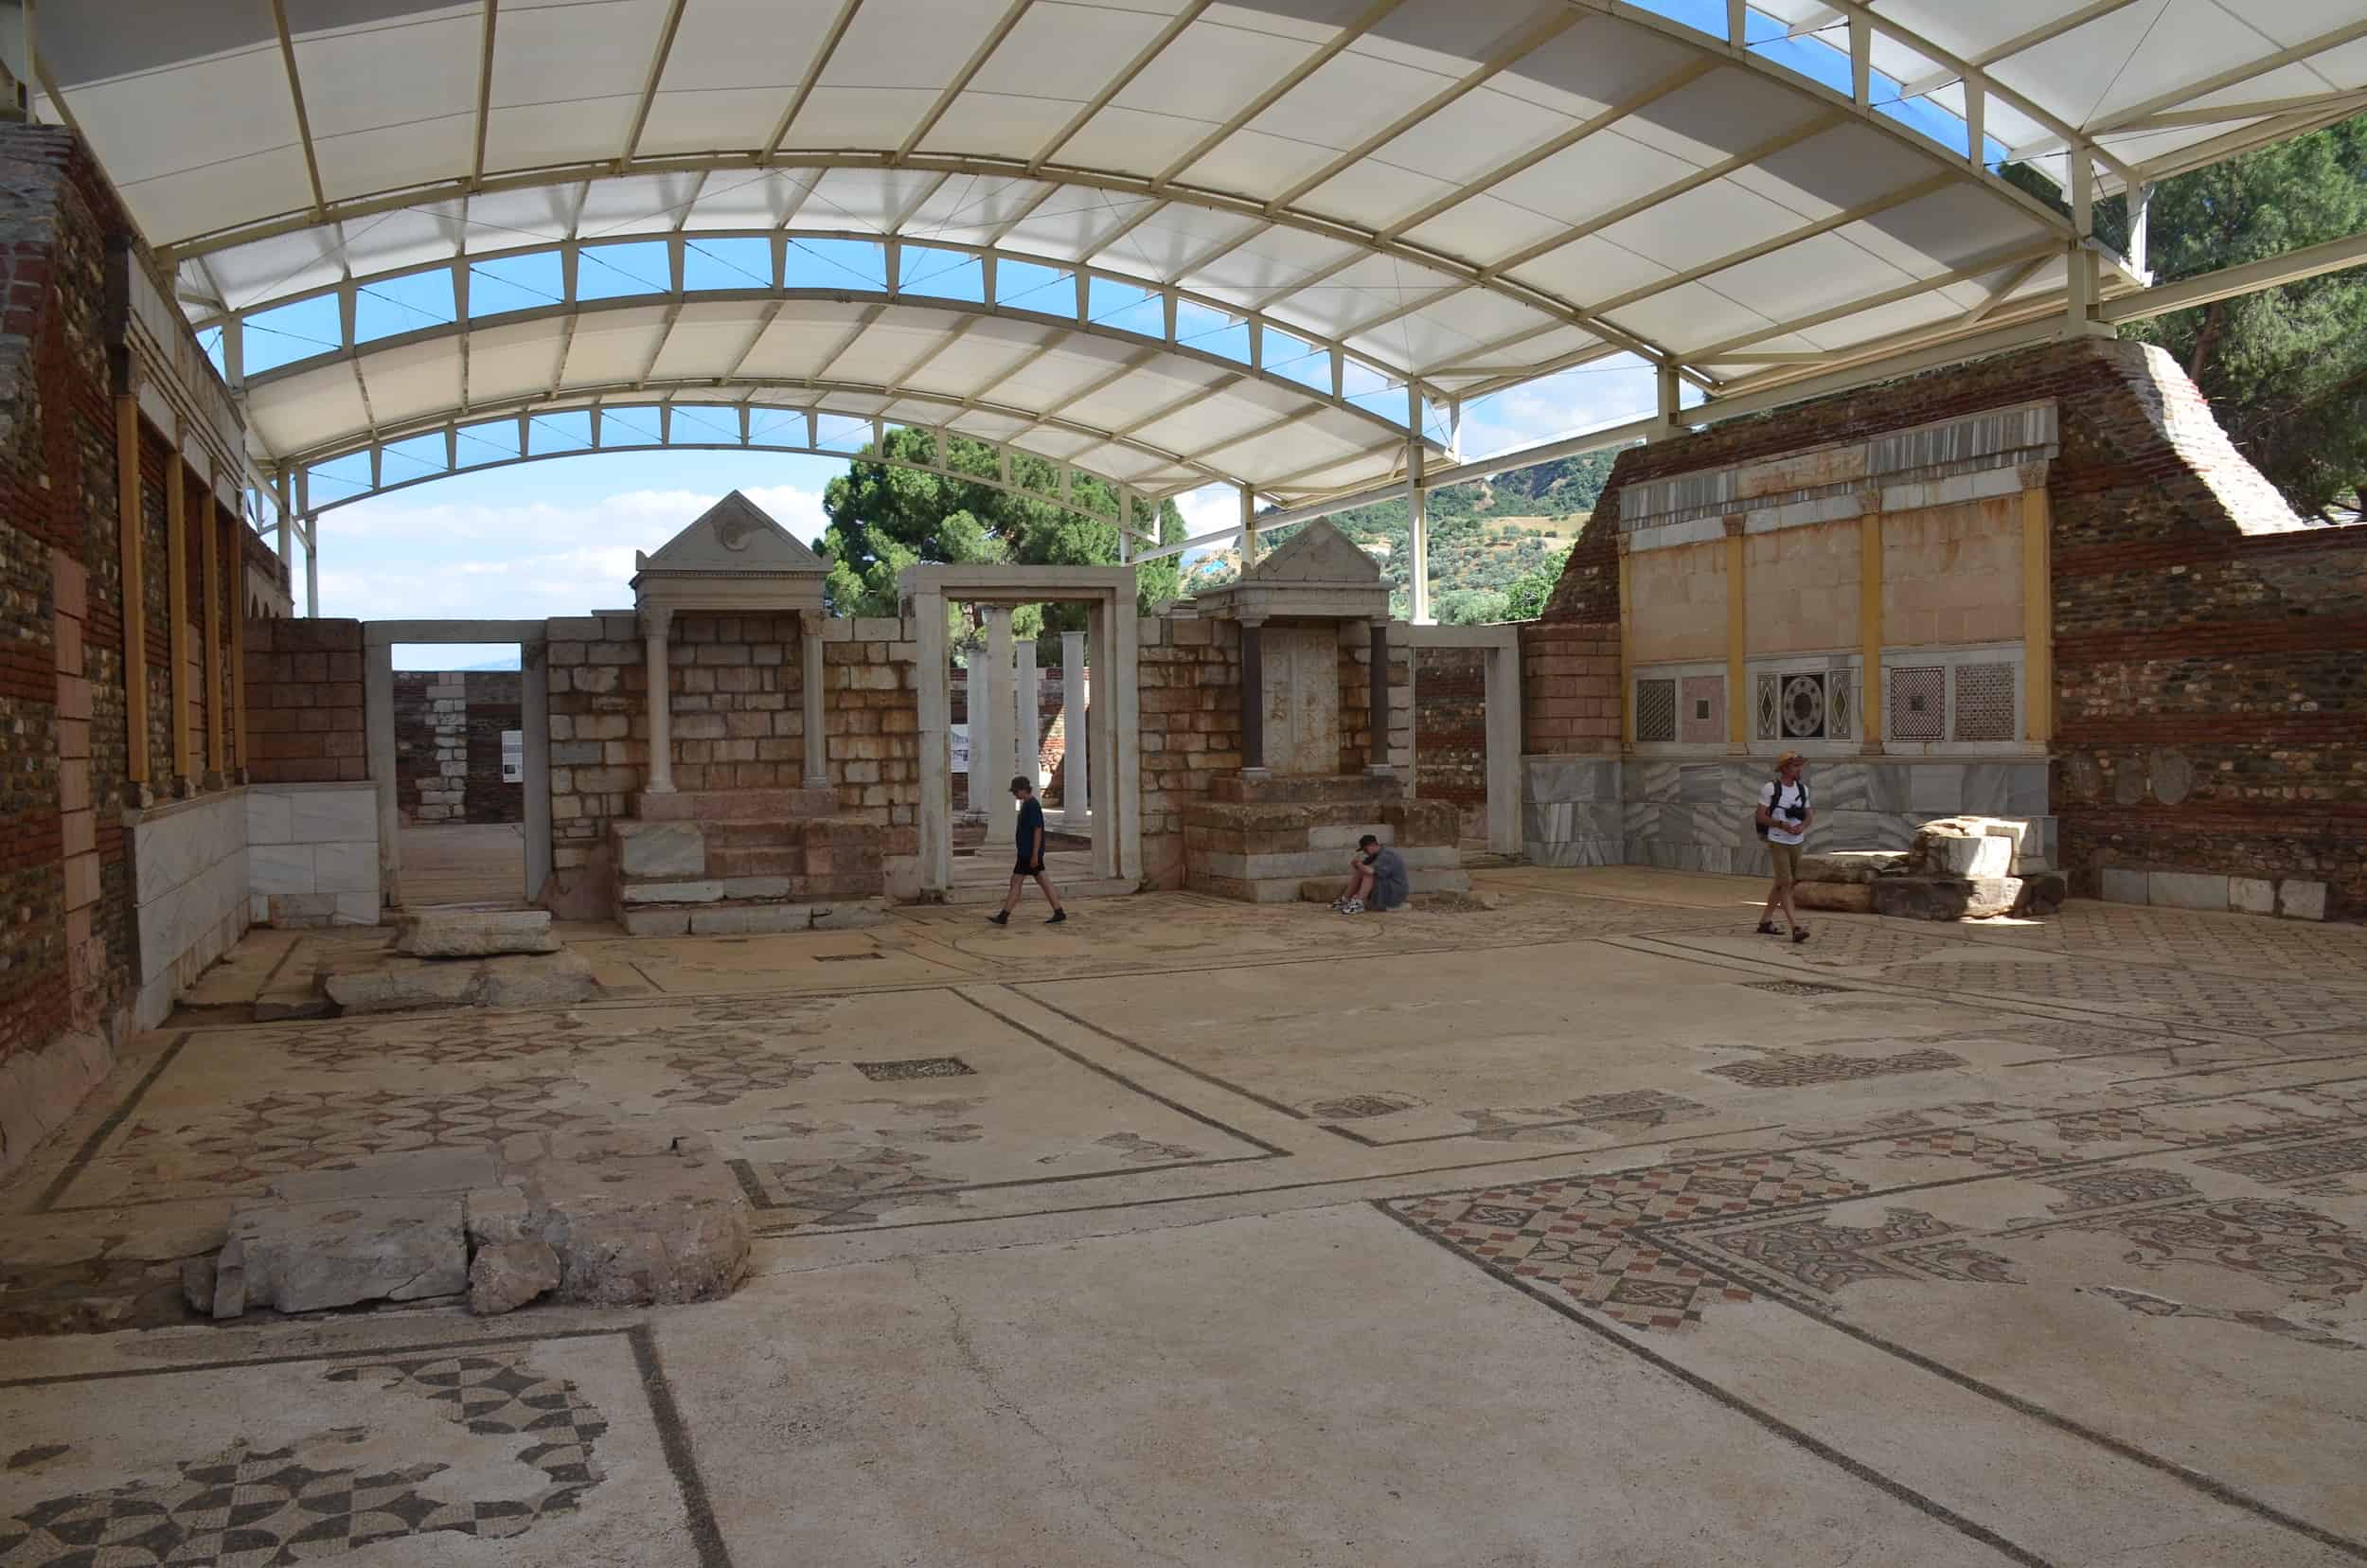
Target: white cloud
column 383, row 560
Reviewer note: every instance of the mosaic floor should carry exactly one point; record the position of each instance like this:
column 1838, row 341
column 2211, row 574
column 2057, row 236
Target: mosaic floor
column 1198, row 1233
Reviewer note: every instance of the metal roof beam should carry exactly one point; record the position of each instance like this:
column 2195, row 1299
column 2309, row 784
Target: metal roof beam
column 1324, row 55
column 1150, row 52
column 1562, row 143
column 662, row 48
column 2232, row 77
column 296, row 96
column 2019, row 43
column 484, row 90
column 2228, row 282
column 812, row 77
column 960, row 85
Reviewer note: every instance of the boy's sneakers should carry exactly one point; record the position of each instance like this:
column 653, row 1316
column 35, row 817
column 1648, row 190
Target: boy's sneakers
column 1058, row 917
column 1351, row 906
column 1767, row 928
column 1000, row 916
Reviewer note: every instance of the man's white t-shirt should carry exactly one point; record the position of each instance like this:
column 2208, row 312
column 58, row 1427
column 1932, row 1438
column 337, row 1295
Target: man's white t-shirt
column 1775, row 794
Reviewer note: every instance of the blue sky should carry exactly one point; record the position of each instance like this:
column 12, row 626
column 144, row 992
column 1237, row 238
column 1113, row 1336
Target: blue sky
column 557, row 537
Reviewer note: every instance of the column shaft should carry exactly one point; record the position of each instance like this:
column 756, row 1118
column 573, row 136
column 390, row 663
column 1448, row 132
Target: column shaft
column 816, row 773
column 1075, row 797
column 1026, row 717
column 128, row 540
column 655, row 625
column 990, row 729
column 177, row 619
column 1377, row 753
column 1252, row 699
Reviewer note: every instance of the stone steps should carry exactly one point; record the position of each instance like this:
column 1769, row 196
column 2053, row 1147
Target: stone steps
column 1092, row 888
column 753, row 916
column 1297, row 889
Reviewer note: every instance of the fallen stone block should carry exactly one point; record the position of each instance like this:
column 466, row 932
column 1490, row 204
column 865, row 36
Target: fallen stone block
column 1949, row 854
column 2301, row 900
column 197, row 1284
column 478, row 935
column 518, row 980
column 1843, row 898
column 2042, row 893
column 635, row 1219
column 524, row 982
column 508, row 1274
column 1852, row 865
column 307, row 1257
column 1945, row 897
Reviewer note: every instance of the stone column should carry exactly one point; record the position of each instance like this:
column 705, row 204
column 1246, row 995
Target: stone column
column 1376, row 694
column 655, row 624
column 817, row 769
column 936, row 784
column 1076, row 797
column 990, row 722
column 1026, row 716
column 1253, row 698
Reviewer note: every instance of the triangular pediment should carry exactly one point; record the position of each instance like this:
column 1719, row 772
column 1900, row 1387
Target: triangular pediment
column 734, row 537
column 1318, row 553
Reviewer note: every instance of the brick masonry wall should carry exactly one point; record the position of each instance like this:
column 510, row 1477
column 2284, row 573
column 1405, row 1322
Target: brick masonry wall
column 304, row 702
column 1569, row 688
column 68, row 950
column 737, row 723
column 2210, row 706
column 1189, row 672
column 1451, row 730
column 448, row 747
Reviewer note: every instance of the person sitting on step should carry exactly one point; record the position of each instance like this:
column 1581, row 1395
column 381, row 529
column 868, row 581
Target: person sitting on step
column 1377, row 879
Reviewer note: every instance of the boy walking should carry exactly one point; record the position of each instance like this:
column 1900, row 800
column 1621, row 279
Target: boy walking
column 1784, row 816
column 1030, row 863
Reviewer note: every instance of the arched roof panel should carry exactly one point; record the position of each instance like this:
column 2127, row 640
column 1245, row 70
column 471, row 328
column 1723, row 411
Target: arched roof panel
column 1492, row 186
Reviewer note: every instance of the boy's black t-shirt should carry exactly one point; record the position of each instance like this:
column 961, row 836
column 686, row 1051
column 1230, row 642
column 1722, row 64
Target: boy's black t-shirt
column 1030, row 831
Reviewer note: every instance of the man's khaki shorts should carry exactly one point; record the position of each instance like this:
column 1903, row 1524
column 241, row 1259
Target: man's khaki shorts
column 1787, row 859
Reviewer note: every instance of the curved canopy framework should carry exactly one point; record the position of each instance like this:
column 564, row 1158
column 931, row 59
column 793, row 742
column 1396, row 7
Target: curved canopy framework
column 1415, row 205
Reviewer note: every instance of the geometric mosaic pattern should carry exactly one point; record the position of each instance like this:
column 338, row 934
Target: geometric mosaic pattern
column 2295, row 1162
column 1790, row 1070
column 1656, row 710
column 1984, row 702
column 1918, row 705
column 446, row 1042
column 1627, row 1110
column 1803, row 708
column 330, row 1128
column 720, row 1066
column 2294, row 1246
column 1826, row 1257
column 855, row 1190
column 1702, row 708
column 1770, row 726
column 251, row 1506
column 2234, row 1004
column 2114, row 1186
column 915, row 1067
column 1579, row 1236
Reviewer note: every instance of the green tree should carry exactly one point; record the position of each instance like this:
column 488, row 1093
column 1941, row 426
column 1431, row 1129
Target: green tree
column 1526, row 599
column 2286, row 370
column 883, row 517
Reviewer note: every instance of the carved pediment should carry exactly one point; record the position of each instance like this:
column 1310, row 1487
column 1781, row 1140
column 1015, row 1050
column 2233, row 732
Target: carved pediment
column 732, row 537
column 1318, row 553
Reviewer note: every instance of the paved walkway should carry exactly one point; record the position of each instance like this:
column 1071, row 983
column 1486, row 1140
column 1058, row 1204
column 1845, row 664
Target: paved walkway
column 1590, row 1229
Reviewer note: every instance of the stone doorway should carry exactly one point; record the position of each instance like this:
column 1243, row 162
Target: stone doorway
column 442, row 862
column 1113, row 862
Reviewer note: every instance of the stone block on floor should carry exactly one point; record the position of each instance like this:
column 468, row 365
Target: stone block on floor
column 634, row 1219
column 478, row 935
column 2298, row 899
column 1847, row 898
column 669, row 849
column 307, row 1257
column 1945, row 897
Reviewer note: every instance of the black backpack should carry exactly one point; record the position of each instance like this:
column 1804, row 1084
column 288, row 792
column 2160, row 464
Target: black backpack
column 1760, row 827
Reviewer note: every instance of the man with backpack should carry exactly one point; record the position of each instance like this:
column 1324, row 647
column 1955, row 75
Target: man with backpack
column 1784, row 816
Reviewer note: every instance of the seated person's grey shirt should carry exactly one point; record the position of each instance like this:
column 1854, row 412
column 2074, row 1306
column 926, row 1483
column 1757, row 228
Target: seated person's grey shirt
column 1390, row 886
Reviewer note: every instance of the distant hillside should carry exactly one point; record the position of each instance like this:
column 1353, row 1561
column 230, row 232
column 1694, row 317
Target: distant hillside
column 1485, row 537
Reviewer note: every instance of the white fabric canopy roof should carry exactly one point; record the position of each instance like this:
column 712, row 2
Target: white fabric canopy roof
column 1461, row 196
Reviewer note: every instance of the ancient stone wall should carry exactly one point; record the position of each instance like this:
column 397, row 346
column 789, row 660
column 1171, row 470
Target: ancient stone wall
column 1569, row 688
column 304, row 702
column 1189, row 673
column 2208, row 706
column 447, row 745
column 737, row 723
column 871, row 707
column 69, row 948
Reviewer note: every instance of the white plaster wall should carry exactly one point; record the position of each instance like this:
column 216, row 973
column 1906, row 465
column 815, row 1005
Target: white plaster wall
column 188, row 885
column 313, row 854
